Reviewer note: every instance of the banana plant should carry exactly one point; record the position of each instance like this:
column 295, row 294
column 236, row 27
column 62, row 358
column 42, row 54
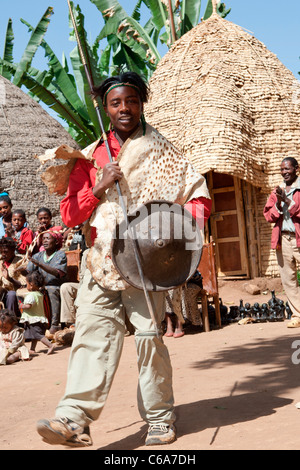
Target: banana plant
column 126, row 30
column 132, row 47
column 32, row 46
column 189, row 14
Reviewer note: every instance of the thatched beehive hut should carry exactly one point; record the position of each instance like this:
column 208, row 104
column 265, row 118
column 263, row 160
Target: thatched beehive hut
column 231, row 106
column 25, row 130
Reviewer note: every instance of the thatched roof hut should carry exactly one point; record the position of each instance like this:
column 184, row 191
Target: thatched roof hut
column 25, row 130
column 232, row 107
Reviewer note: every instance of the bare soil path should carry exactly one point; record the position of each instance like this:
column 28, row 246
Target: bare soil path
column 235, row 388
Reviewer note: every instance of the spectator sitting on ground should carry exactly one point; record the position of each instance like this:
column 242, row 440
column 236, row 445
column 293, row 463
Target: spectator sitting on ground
column 44, row 217
column 20, row 231
column 12, row 339
column 68, row 293
column 11, row 278
column 52, row 263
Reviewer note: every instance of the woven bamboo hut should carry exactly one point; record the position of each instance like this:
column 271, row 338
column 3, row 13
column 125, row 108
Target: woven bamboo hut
column 25, row 130
column 232, row 107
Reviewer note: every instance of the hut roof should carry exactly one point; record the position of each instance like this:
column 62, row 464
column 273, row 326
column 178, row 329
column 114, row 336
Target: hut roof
column 223, row 99
column 26, row 129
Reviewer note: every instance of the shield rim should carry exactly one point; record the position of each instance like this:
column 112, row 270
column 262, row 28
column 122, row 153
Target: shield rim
column 157, row 289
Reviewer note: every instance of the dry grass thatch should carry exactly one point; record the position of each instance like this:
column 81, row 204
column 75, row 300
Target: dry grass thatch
column 227, row 103
column 26, row 129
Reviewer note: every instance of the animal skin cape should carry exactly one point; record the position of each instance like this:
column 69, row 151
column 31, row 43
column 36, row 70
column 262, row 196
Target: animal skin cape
column 153, row 169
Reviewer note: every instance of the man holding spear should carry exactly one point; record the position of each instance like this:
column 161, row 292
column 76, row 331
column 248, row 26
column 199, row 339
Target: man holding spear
column 144, row 173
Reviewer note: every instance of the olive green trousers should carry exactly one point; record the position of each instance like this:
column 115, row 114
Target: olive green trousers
column 96, row 351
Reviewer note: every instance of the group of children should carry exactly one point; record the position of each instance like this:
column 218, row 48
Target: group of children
column 13, row 224
column 33, row 321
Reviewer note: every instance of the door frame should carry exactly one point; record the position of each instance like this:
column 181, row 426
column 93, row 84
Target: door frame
column 244, row 272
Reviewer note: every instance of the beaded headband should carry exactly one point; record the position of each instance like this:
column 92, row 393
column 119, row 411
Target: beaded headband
column 115, row 85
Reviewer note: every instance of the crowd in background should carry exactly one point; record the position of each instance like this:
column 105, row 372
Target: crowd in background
column 36, row 293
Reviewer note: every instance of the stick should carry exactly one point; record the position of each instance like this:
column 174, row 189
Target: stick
column 134, row 242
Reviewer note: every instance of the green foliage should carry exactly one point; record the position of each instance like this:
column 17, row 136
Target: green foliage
column 8, row 49
column 186, row 15
column 32, row 46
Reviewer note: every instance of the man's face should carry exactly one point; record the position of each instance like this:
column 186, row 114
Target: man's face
column 124, row 109
column 17, row 221
column 44, row 219
column 48, row 241
column 5, row 327
column 7, row 253
column 288, row 172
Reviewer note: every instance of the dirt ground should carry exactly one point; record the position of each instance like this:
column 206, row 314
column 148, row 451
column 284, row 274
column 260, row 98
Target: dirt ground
column 235, row 389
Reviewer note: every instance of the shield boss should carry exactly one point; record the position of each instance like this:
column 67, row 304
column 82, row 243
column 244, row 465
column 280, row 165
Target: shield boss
column 169, row 243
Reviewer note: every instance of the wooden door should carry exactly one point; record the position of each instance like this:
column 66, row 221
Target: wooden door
column 228, row 225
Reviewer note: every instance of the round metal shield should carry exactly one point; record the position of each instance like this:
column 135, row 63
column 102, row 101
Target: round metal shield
column 168, row 241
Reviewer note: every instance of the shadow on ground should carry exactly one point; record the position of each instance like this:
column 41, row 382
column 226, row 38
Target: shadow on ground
column 212, row 414
column 252, row 396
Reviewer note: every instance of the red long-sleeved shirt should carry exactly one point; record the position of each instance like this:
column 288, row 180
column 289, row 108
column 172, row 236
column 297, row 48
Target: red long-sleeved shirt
column 25, row 239
column 272, row 215
column 80, row 202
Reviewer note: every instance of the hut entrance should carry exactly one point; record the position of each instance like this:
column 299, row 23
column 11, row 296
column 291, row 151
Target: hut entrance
column 227, row 222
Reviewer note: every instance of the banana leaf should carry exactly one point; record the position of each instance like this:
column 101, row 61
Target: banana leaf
column 104, row 62
column 113, row 7
column 62, row 79
column 133, row 35
column 159, row 13
column 152, row 31
column 8, row 49
column 190, row 13
column 32, row 46
column 77, row 71
column 114, row 15
column 92, row 67
column 125, row 55
column 91, row 60
column 65, row 65
column 78, row 135
column 136, row 14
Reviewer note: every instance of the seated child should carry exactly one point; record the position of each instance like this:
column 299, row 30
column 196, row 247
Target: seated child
column 52, row 263
column 44, row 217
column 33, row 316
column 12, row 339
column 19, row 231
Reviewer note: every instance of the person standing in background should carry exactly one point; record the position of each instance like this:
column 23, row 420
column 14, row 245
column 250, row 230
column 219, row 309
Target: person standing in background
column 283, row 209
